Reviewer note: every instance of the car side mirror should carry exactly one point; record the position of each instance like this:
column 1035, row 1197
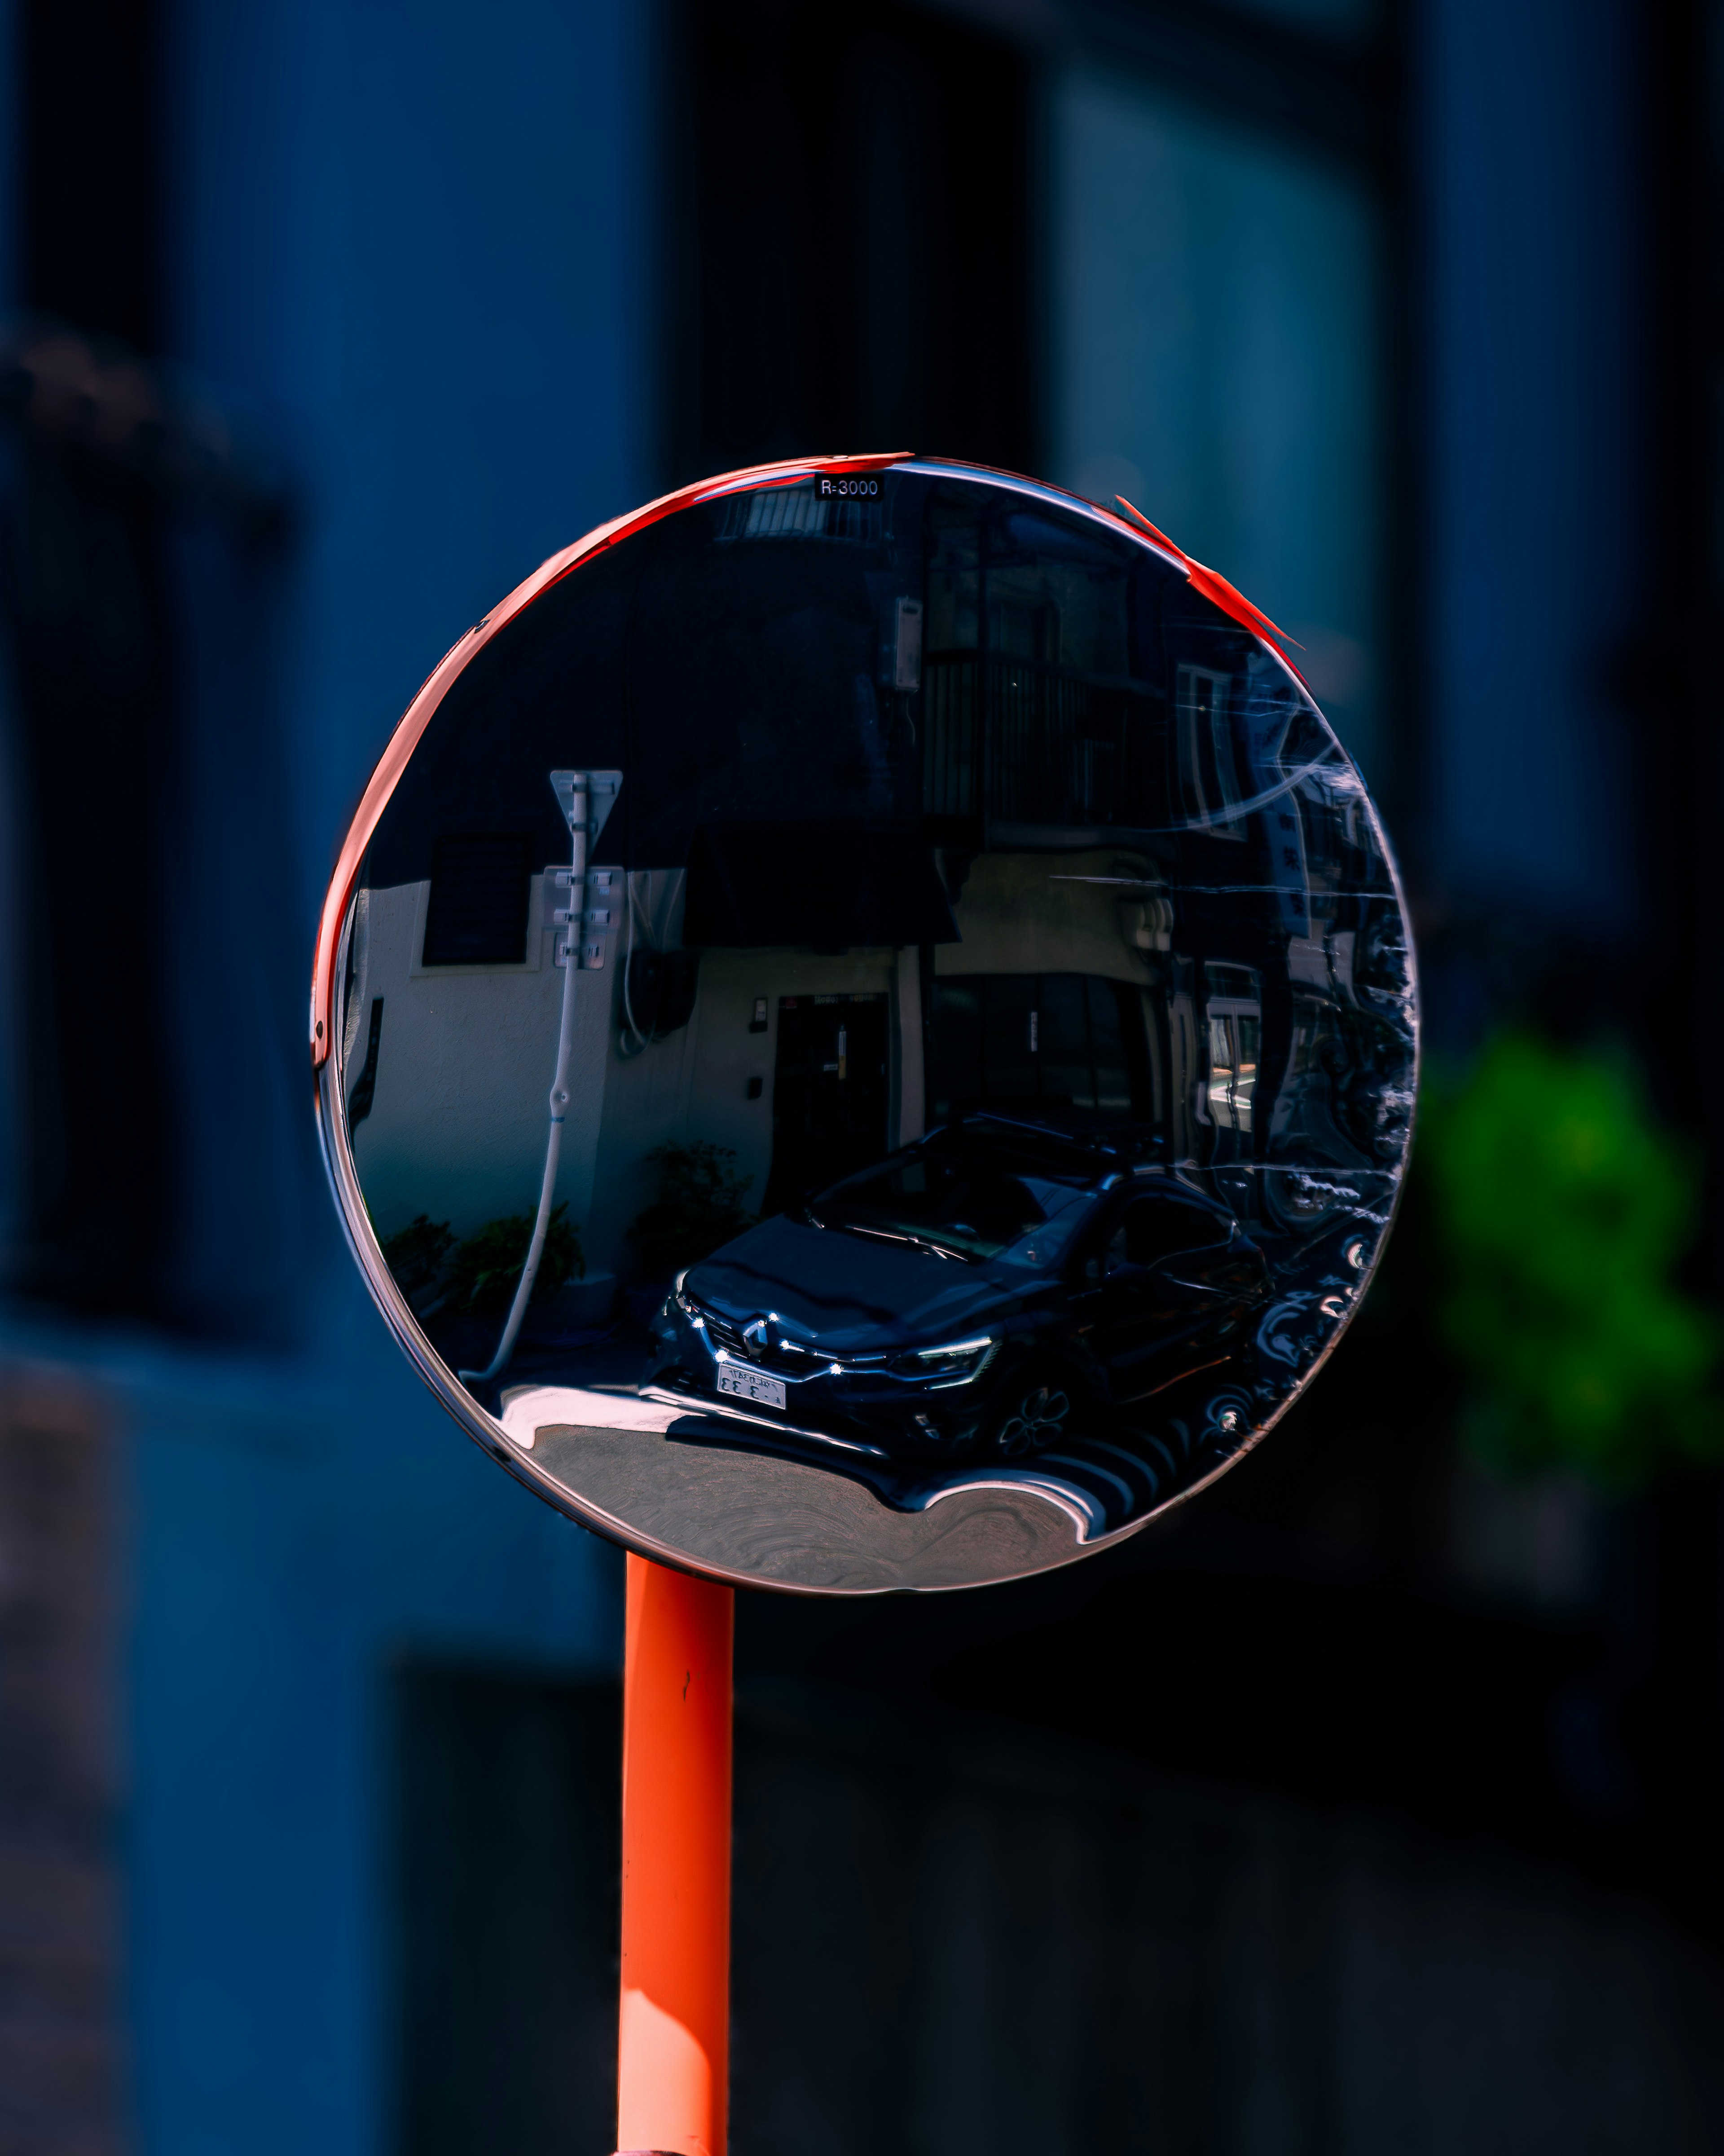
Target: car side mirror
column 685, row 886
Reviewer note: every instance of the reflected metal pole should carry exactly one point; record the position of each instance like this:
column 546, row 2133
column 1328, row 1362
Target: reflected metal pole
column 673, row 2031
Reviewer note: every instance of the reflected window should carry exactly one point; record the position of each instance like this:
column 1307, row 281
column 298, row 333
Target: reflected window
column 1033, row 711
column 1234, row 1011
column 1209, row 769
column 1060, row 1040
column 477, row 912
column 798, row 512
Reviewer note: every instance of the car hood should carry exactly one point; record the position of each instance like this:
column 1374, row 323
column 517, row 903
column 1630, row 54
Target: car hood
column 847, row 1292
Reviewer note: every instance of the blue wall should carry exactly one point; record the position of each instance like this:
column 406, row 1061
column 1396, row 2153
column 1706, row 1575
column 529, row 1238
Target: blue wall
column 414, row 239
column 295, row 1529
column 1534, row 326
column 419, row 233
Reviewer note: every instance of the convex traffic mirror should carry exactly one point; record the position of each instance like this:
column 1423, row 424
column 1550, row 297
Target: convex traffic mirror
column 866, row 1028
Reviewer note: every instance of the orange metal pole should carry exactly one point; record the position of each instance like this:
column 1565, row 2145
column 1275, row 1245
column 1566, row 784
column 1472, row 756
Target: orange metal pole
column 673, row 2066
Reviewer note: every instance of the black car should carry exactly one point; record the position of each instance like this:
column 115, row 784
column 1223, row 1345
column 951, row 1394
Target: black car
column 976, row 1293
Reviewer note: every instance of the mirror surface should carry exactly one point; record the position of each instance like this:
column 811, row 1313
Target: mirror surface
column 872, row 1032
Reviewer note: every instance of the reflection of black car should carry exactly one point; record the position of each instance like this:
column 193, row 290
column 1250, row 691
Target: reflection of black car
column 973, row 1292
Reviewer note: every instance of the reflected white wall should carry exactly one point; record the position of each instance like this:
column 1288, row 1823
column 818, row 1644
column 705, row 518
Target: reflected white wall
column 455, row 1128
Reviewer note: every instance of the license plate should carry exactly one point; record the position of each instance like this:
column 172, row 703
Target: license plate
column 742, row 1383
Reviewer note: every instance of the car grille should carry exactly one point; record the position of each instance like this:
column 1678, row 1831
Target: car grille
column 723, row 1333
column 726, row 1336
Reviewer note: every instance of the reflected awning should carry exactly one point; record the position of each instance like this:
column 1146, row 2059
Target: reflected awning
column 829, row 886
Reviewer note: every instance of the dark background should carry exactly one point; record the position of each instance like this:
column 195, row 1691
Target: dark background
column 1369, row 1804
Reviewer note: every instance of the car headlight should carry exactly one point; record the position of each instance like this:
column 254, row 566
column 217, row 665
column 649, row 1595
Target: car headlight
column 956, row 1362
column 686, row 1303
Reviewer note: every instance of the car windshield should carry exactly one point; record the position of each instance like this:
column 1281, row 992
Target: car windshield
column 969, row 1198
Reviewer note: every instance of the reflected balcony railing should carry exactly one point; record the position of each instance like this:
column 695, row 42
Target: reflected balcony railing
column 1017, row 740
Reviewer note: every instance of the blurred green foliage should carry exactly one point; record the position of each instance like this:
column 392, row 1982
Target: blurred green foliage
column 1562, row 1211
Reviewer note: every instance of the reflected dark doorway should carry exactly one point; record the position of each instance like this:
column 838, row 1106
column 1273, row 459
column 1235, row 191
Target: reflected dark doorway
column 830, row 1093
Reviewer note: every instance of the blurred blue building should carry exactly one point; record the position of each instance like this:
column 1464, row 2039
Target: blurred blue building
column 324, row 324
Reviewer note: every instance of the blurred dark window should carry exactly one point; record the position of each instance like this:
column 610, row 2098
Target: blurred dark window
column 1335, row 17
column 91, row 753
column 850, row 263
column 160, row 1170
column 89, row 173
column 95, row 767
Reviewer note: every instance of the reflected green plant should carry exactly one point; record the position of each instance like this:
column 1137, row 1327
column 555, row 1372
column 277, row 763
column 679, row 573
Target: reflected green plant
column 1563, row 1211
column 699, row 1207
column 484, row 1272
column 416, row 1254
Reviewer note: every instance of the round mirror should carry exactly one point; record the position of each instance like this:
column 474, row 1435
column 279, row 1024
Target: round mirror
column 866, row 1028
